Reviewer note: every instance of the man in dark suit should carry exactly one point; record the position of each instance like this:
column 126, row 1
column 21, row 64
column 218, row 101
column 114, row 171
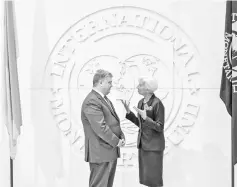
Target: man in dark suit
column 103, row 134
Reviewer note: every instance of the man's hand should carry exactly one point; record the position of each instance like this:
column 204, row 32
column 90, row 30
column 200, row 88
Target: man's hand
column 121, row 143
column 124, row 142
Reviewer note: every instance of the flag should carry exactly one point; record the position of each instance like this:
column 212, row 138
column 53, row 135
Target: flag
column 228, row 90
column 9, row 78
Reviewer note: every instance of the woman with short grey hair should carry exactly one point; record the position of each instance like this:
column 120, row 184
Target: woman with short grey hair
column 151, row 141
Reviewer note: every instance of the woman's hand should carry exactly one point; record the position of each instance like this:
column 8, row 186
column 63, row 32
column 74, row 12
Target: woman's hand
column 141, row 112
column 126, row 105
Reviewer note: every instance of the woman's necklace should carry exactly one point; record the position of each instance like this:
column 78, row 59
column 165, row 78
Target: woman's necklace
column 145, row 101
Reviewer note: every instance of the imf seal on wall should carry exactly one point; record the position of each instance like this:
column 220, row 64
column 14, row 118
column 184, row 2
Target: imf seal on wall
column 129, row 42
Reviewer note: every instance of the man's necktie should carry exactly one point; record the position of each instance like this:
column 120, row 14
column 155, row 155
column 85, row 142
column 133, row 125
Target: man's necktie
column 109, row 103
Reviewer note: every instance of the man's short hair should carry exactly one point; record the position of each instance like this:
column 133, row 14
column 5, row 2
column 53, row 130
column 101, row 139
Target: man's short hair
column 100, row 75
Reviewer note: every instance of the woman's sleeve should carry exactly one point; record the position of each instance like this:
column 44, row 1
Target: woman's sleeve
column 159, row 115
column 133, row 118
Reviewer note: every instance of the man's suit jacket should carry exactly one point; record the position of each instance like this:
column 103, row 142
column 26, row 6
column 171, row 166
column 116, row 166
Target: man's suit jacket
column 151, row 130
column 102, row 129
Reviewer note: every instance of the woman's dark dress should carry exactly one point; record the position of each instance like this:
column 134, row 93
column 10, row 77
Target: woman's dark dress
column 150, row 167
column 150, row 142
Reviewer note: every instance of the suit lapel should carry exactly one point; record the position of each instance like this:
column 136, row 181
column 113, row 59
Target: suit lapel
column 139, row 116
column 112, row 110
column 140, row 104
column 151, row 100
column 140, row 107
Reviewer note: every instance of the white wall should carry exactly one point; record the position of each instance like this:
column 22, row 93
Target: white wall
column 198, row 154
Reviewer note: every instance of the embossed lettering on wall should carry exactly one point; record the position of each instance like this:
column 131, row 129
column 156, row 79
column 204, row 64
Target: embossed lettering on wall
column 129, row 42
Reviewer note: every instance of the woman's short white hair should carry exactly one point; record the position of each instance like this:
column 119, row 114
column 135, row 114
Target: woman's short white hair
column 150, row 83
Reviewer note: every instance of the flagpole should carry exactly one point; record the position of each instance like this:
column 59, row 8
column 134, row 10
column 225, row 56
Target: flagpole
column 232, row 155
column 11, row 172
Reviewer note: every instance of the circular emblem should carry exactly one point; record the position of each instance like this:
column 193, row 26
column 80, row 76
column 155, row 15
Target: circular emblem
column 231, row 51
column 129, row 42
